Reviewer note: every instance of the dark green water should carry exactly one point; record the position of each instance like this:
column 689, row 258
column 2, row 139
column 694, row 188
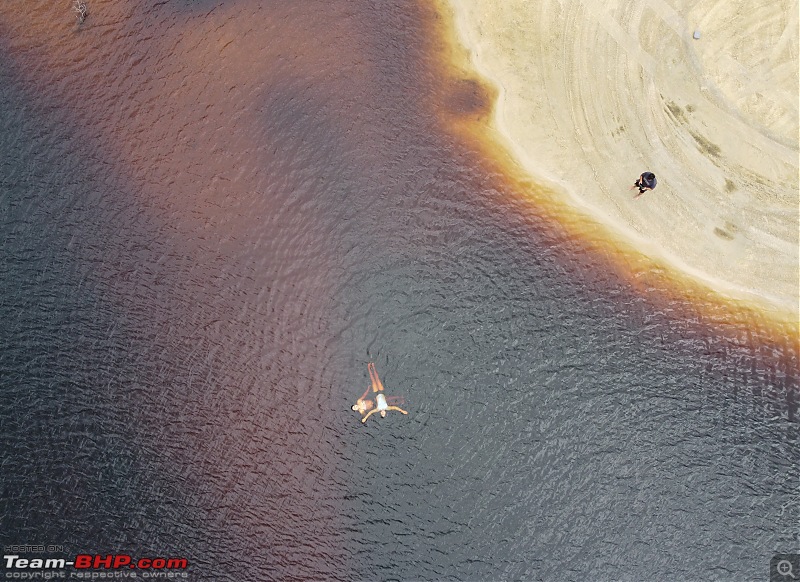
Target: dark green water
column 213, row 215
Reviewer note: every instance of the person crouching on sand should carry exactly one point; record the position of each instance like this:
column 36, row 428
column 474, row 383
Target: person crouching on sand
column 647, row 181
column 363, row 405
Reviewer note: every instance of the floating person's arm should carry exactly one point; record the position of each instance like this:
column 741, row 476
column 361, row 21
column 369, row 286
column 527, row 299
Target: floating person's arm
column 370, row 413
column 397, row 408
column 361, row 403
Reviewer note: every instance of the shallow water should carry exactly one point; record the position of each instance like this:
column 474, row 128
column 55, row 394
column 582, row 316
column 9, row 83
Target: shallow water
column 214, row 215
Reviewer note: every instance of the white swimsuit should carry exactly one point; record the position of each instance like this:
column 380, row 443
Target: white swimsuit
column 381, row 402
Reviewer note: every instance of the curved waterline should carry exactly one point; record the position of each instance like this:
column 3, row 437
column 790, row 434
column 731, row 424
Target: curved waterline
column 722, row 224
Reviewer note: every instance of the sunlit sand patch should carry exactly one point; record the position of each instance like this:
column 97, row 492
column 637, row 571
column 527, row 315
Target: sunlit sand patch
column 592, row 93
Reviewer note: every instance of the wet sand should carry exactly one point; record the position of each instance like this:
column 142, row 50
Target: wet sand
column 593, row 94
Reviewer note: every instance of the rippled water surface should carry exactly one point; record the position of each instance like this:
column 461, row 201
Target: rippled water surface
column 214, row 214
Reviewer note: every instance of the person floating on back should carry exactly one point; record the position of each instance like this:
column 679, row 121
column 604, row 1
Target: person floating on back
column 369, row 407
column 647, row 181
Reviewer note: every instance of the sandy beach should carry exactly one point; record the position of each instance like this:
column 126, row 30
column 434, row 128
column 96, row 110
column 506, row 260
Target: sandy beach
column 594, row 92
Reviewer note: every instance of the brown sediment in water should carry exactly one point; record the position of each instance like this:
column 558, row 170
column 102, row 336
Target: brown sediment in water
column 656, row 278
column 174, row 106
column 185, row 179
column 188, row 123
column 172, row 138
column 207, row 173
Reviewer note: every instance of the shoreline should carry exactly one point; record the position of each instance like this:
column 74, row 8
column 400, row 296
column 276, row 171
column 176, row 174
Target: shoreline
column 725, row 214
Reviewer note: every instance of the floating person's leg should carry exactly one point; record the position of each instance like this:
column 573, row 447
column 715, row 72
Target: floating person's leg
column 397, row 408
column 377, row 385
